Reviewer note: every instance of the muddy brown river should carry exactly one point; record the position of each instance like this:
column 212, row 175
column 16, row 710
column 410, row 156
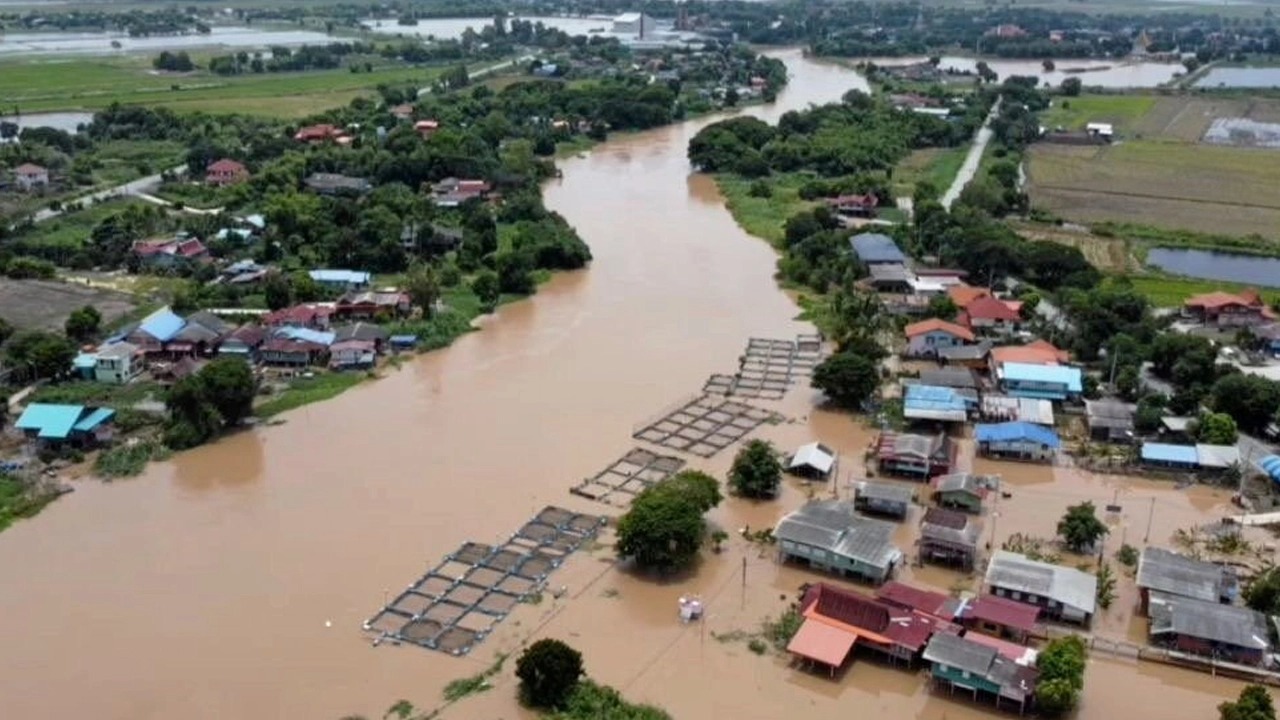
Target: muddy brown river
column 232, row 581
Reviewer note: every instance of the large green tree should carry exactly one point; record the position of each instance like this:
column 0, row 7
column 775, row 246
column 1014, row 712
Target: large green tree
column 1252, row 400
column 82, row 324
column 1263, row 593
column 549, row 670
column 1080, row 527
column 756, row 471
column 1061, row 663
column 1254, row 703
column 228, row 384
column 423, row 285
column 1216, row 429
column 664, row 527
column 848, row 380
column 44, row 354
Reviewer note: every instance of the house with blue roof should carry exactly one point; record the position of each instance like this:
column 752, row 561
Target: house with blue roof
column 55, row 425
column 1016, row 440
column 933, row 402
column 877, row 249
column 154, row 331
column 1046, row 382
column 1209, row 459
column 341, row 280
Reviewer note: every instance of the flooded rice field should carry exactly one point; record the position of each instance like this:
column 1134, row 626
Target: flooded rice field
column 234, row 580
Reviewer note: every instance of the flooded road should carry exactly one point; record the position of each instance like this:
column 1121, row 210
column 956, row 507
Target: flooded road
column 203, row 589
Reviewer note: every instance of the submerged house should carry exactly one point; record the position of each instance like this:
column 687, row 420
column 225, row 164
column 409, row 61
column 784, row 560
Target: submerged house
column 883, row 499
column 814, row 461
column 961, row 491
column 1001, row 617
column 1223, row 632
column 837, row 620
column 1110, row 420
column 919, row 457
column 830, row 536
column 1016, row 440
column 1207, row 459
column 909, row 597
column 949, row 538
column 1061, row 593
column 1165, row 572
column 932, row 403
column 50, row 425
column 976, row 667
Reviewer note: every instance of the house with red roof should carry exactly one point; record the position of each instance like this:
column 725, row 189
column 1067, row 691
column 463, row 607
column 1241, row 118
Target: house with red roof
column 1228, row 309
column 927, row 337
column 306, row 315
column 1001, row 617
column 170, row 253
column 225, row 172
column 908, row 597
column 962, row 294
column 323, row 132
column 426, row 128
column 863, row 206
column 403, row 111
column 372, row 305
column 30, row 176
column 990, row 314
column 835, row 620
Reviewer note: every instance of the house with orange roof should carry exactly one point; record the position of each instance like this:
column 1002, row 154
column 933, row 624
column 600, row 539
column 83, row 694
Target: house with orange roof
column 927, row 337
column 1039, row 352
column 226, row 172
column 963, row 294
column 1228, row 309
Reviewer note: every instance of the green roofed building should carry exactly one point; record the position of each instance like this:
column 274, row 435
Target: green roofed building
column 50, row 424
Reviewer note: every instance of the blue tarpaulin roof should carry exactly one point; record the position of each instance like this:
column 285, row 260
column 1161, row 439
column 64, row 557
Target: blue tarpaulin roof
column 51, row 421
column 162, row 324
column 932, row 402
column 1271, row 466
column 1014, row 432
column 85, row 361
column 403, row 340
column 876, row 248
column 1056, row 374
column 307, row 335
column 1166, row 453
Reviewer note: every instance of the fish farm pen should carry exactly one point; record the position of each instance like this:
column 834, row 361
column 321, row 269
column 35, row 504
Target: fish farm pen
column 458, row 602
column 627, row 477
column 704, row 425
column 768, row 367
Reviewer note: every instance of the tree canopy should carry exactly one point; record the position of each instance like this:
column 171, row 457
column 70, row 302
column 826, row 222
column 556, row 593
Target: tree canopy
column 848, row 380
column 1061, row 663
column 549, row 671
column 82, row 324
column 664, row 527
column 756, row 471
column 1080, row 527
column 1254, row 703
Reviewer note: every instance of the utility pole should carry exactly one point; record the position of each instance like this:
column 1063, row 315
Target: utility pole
column 1150, row 516
column 744, row 582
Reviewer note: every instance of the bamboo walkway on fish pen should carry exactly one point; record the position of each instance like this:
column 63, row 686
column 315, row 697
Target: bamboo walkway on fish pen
column 457, row 603
column 768, row 367
column 625, row 478
column 703, row 425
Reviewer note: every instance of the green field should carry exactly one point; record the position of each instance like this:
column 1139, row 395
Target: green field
column 936, row 165
column 89, row 84
column 764, row 217
column 1170, row 291
column 1123, row 111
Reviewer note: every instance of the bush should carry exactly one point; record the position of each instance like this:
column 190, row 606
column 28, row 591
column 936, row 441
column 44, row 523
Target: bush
column 756, row 471
column 664, row 527
column 549, row 670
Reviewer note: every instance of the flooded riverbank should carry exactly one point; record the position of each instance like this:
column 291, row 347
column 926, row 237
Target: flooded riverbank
column 203, row 588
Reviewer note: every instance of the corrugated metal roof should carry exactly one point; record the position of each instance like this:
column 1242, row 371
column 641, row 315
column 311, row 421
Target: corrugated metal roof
column 94, row 419
column 876, row 248
column 834, row 526
column 954, row 651
column 1166, row 453
column 1014, row 432
column 1066, row 585
column 306, row 334
column 53, row 422
column 1217, row 456
column 814, row 455
column 1227, row 624
column 1270, row 464
column 353, row 277
column 884, row 492
column 1056, row 374
column 1166, row 571
column 932, row 402
column 825, row 643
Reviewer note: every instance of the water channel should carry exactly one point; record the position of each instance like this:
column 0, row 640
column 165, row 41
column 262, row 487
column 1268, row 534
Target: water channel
column 205, row 588
column 1228, row 267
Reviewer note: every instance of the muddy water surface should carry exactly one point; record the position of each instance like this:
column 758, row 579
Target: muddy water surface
column 204, row 588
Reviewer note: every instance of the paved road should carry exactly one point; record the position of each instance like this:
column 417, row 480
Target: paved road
column 488, row 70
column 973, row 159
column 130, row 188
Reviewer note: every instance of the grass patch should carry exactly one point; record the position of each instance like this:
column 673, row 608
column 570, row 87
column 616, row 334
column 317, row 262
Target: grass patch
column 96, row 393
column 306, row 390
column 764, row 217
column 462, row 687
column 72, row 230
column 573, row 146
column 22, row 499
column 1123, row 111
column 196, row 195
column 592, row 701
column 779, row 631
column 93, row 83
column 938, row 166
column 129, row 459
column 1171, row 290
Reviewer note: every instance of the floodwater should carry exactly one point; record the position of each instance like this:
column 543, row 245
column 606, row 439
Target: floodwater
column 1228, row 267
column 452, row 28
column 100, row 43
column 206, row 587
column 1240, row 77
column 1104, row 73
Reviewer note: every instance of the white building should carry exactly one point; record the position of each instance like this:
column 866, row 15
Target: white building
column 634, row 23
